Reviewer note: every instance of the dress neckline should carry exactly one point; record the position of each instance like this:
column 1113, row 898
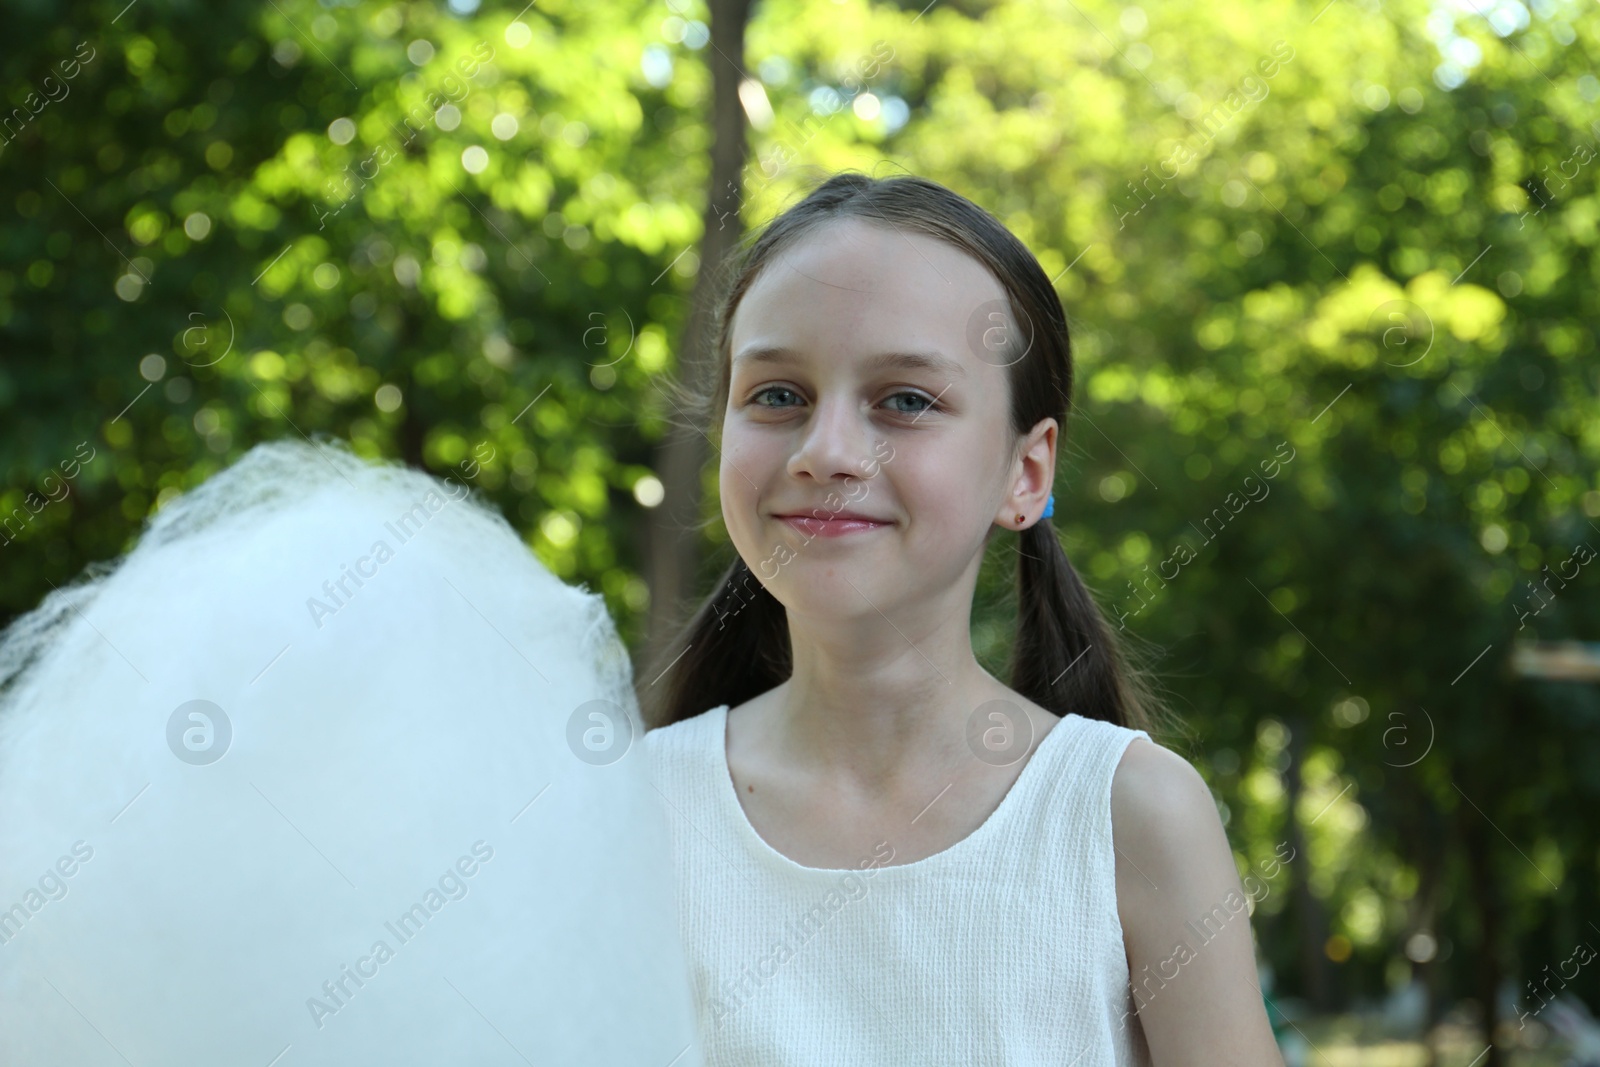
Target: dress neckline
column 729, row 790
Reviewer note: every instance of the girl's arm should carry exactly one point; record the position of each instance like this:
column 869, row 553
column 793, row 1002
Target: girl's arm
column 1185, row 917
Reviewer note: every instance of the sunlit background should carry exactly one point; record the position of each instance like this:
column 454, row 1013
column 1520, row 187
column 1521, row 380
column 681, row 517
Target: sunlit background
column 1332, row 276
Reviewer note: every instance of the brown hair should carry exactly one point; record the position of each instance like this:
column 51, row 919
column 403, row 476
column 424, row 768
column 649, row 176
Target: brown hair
column 1065, row 658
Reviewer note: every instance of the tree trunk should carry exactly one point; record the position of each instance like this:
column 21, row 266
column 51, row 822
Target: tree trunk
column 1430, row 848
column 1313, row 922
column 674, row 545
column 1475, row 836
column 412, row 435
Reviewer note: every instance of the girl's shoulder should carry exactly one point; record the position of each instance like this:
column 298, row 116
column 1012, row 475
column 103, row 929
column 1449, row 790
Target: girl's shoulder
column 1153, row 784
column 684, row 735
column 1178, row 893
column 1168, row 833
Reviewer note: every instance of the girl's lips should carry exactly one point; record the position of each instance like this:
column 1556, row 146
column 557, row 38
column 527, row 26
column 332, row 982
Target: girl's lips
column 830, row 527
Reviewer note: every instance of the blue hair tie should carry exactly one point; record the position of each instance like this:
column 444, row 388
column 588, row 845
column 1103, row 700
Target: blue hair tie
column 1049, row 507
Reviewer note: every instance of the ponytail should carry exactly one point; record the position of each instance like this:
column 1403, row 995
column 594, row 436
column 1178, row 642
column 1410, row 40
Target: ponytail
column 1065, row 658
column 735, row 647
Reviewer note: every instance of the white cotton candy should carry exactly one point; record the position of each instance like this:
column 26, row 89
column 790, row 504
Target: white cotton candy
column 422, row 746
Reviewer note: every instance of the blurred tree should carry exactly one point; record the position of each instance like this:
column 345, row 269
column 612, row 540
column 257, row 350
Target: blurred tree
column 444, row 238
column 674, row 557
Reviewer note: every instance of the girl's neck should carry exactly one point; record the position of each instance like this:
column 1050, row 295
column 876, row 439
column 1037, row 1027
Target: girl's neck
column 873, row 732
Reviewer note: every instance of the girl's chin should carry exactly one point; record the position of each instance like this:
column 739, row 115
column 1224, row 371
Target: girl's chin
column 834, row 590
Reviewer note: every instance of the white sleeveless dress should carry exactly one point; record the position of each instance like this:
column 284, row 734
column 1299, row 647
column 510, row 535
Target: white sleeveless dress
column 1004, row 949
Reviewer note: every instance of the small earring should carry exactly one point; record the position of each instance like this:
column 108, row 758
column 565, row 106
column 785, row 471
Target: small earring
column 1049, row 509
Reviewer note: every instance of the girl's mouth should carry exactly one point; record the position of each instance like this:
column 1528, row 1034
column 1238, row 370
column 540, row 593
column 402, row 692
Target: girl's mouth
column 838, row 526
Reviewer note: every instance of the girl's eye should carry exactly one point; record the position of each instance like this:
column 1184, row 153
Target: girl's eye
column 769, row 390
column 914, row 396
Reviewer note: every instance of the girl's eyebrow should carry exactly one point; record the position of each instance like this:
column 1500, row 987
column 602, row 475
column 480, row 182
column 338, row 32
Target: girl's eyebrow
column 909, row 360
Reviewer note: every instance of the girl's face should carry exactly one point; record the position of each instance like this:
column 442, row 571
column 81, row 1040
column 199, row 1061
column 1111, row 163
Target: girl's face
column 855, row 391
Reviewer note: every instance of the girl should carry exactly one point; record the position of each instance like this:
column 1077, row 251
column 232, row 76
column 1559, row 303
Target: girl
column 884, row 854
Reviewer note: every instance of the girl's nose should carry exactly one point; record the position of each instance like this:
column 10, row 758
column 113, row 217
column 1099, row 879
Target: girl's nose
column 837, row 439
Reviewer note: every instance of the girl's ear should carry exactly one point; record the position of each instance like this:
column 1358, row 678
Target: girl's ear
column 1032, row 479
